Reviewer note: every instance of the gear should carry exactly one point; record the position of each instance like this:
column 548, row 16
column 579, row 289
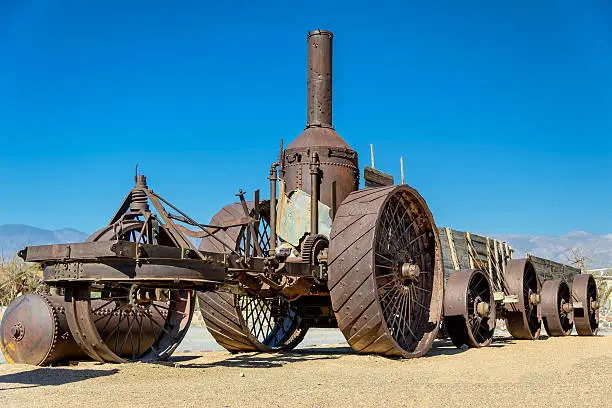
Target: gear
column 312, row 246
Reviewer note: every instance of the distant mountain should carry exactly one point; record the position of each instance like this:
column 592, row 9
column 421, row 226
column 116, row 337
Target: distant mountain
column 595, row 248
column 14, row 237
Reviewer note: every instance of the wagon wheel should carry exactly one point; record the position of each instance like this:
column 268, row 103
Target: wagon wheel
column 469, row 311
column 140, row 322
column 523, row 318
column 385, row 272
column 245, row 322
column 557, row 308
column 586, row 308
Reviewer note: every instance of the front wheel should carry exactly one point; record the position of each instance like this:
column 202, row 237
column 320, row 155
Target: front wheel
column 385, row 272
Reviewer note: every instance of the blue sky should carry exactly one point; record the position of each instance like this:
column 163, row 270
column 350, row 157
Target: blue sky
column 501, row 111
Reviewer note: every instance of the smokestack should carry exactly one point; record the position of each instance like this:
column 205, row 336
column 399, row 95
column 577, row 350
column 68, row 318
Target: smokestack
column 319, row 112
column 338, row 166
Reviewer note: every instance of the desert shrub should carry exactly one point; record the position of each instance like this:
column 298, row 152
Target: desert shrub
column 604, row 289
column 17, row 278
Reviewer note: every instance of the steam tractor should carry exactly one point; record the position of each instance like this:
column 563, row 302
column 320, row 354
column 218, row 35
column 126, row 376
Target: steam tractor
column 320, row 252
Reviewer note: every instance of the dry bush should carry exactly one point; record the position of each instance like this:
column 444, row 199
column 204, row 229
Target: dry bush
column 17, row 278
column 604, row 289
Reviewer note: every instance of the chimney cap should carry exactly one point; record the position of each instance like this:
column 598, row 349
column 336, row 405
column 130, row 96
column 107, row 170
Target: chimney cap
column 321, row 32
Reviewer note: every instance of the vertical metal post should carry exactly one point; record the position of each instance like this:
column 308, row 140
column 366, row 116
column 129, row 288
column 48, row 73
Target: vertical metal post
column 314, row 193
column 402, row 169
column 273, row 178
column 334, row 204
column 372, row 155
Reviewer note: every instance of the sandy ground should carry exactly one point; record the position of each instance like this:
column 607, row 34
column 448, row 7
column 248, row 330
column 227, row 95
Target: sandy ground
column 571, row 371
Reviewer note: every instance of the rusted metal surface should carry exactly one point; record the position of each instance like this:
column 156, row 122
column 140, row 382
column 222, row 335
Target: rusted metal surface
column 338, row 162
column 378, row 307
column 557, row 308
column 319, row 79
column 586, row 308
column 142, row 308
column 118, row 251
column 314, row 193
column 155, row 326
column 43, row 336
column 273, row 181
column 243, row 322
column 523, row 318
column 469, row 310
column 31, row 331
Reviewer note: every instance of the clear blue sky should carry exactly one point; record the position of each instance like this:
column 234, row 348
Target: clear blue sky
column 503, row 113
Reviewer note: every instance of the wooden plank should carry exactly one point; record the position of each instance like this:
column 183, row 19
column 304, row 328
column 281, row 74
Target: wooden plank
column 376, row 178
column 548, row 269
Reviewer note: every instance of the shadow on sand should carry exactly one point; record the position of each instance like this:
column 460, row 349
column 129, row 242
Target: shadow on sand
column 264, row 360
column 57, row 376
column 50, row 376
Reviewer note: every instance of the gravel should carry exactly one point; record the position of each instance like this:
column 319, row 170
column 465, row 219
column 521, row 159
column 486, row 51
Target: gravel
column 572, row 371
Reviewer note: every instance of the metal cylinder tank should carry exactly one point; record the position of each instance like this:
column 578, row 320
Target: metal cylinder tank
column 339, row 168
column 34, row 330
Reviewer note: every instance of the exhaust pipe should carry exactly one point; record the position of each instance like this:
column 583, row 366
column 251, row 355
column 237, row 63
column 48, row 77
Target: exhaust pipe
column 319, row 113
column 338, row 173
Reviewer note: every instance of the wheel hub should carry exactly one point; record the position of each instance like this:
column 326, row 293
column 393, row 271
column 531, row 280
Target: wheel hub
column 567, row 307
column 410, row 271
column 534, row 298
column 483, row 309
column 18, row 331
column 141, row 298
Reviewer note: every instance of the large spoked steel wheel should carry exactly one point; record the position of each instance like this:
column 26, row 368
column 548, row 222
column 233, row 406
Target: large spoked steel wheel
column 469, row 311
column 385, row 272
column 557, row 308
column 246, row 322
column 586, row 308
column 523, row 318
column 128, row 322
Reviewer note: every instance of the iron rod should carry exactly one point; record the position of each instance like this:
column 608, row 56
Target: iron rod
column 314, row 193
column 273, row 177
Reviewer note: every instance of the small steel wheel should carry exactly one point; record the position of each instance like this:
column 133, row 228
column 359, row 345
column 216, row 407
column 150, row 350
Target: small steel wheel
column 557, row 308
column 469, row 310
column 247, row 322
column 523, row 317
column 29, row 330
column 586, row 307
column 128, row 322
column 385, row 272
